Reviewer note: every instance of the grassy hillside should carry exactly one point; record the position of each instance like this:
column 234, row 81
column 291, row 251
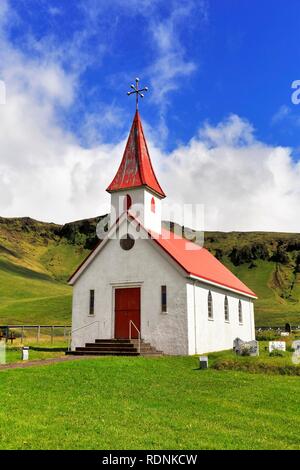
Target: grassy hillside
column 36, row 259
column 269, row 263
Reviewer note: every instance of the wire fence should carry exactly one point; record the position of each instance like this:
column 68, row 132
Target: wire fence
column 25, row 334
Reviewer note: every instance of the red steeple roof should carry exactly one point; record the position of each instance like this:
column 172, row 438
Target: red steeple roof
column 136, row 169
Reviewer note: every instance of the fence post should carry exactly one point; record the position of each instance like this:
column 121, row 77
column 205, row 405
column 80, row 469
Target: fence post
column 52, row 334
column 38, row 333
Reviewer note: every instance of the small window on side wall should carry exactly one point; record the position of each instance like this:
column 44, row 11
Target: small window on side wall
column 240, row 312
column 92, row 303
column 127, row 202
column 210, row 306
column 164, row 299
column 153, row 205
column 226, row 309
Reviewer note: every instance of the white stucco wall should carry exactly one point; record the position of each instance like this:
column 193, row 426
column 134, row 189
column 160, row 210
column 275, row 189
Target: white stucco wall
column 207, row 335
column 141, row 201
column 184, row 329
column 143, row 266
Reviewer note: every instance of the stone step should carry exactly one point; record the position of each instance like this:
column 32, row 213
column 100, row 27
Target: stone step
column 112, row 340
column 116, row 347
column 102, row 353
column 109, row 345
column 96, row 347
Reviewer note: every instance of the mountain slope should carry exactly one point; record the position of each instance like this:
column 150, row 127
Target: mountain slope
column 36, row 259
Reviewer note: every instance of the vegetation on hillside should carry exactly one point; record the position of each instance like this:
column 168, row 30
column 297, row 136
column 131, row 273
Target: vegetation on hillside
column 36, row 259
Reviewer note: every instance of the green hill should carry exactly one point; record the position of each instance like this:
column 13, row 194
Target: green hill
column 36, row 258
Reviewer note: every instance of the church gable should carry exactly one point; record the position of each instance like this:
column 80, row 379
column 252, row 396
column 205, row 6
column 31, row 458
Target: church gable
column 127, row 229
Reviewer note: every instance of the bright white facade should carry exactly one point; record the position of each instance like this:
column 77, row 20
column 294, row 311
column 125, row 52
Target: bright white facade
column 184, row 329
column 183, row 301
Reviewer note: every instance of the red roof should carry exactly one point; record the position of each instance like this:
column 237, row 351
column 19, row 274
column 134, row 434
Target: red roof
column 136, row 169
column 199, row 262
column 195, row 260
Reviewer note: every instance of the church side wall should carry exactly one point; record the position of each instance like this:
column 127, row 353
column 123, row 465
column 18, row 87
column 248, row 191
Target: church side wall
column 207, row 335
column 145, row 266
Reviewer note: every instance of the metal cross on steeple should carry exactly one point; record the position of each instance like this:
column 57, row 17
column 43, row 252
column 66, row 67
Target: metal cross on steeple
column 137, row 91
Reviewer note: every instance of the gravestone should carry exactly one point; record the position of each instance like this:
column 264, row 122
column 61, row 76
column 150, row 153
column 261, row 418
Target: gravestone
column 296, row 345
column 284, row 333
column 288, row 327
column 250, row 348
column 237, row 344
column 203, row 362
column 278, row 345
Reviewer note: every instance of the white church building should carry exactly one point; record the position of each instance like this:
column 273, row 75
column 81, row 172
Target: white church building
column 143, row 283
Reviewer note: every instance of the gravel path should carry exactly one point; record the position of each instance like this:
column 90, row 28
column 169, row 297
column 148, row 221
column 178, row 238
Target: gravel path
column 41, row 362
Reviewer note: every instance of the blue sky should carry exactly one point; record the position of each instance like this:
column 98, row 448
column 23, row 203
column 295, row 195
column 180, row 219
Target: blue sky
column 225, row 57
column 219, row 119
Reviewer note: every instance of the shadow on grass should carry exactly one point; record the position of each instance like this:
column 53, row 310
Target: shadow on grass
column 40, row 349
column 44, row 349
column 22, row 271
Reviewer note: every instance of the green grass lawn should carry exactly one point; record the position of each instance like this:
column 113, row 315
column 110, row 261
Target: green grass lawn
column 228, row 360
column 37, row 351
column 143, row 403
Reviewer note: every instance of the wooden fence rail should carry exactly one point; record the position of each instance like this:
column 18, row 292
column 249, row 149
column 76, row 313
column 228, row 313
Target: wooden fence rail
column 7, row 331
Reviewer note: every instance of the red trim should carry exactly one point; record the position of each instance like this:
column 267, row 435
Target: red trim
column 136, row 169
column 223, row 284
column 176, row 249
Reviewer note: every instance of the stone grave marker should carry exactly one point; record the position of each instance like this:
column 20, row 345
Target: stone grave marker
column 250, row 348
column 296, row 345
column 278, row 345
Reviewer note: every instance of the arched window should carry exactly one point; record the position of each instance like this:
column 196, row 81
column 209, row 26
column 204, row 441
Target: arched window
column 226, row 308
column 240, row 312
column 153, row 205
column 127, row 202
column 210, row 306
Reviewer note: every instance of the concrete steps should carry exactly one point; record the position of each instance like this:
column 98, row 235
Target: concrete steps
column 115, row 347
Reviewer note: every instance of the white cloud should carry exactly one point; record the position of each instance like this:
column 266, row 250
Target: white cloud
column 287, row 115
column 171, row 63
column 281, row 114
column 244, row 184
column 46, row 174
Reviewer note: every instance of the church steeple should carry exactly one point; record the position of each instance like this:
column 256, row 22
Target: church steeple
column 135, row 185
column 136, row 168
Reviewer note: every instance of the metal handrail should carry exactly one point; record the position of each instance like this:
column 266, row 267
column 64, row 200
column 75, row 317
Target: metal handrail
column 139, row 334
column 80, row 328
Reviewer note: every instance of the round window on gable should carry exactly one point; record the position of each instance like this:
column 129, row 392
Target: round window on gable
column 153, row 205
column 127, row 202
column 127, row 242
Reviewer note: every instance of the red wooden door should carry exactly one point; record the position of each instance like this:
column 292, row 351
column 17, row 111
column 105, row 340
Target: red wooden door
column 127, row 307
